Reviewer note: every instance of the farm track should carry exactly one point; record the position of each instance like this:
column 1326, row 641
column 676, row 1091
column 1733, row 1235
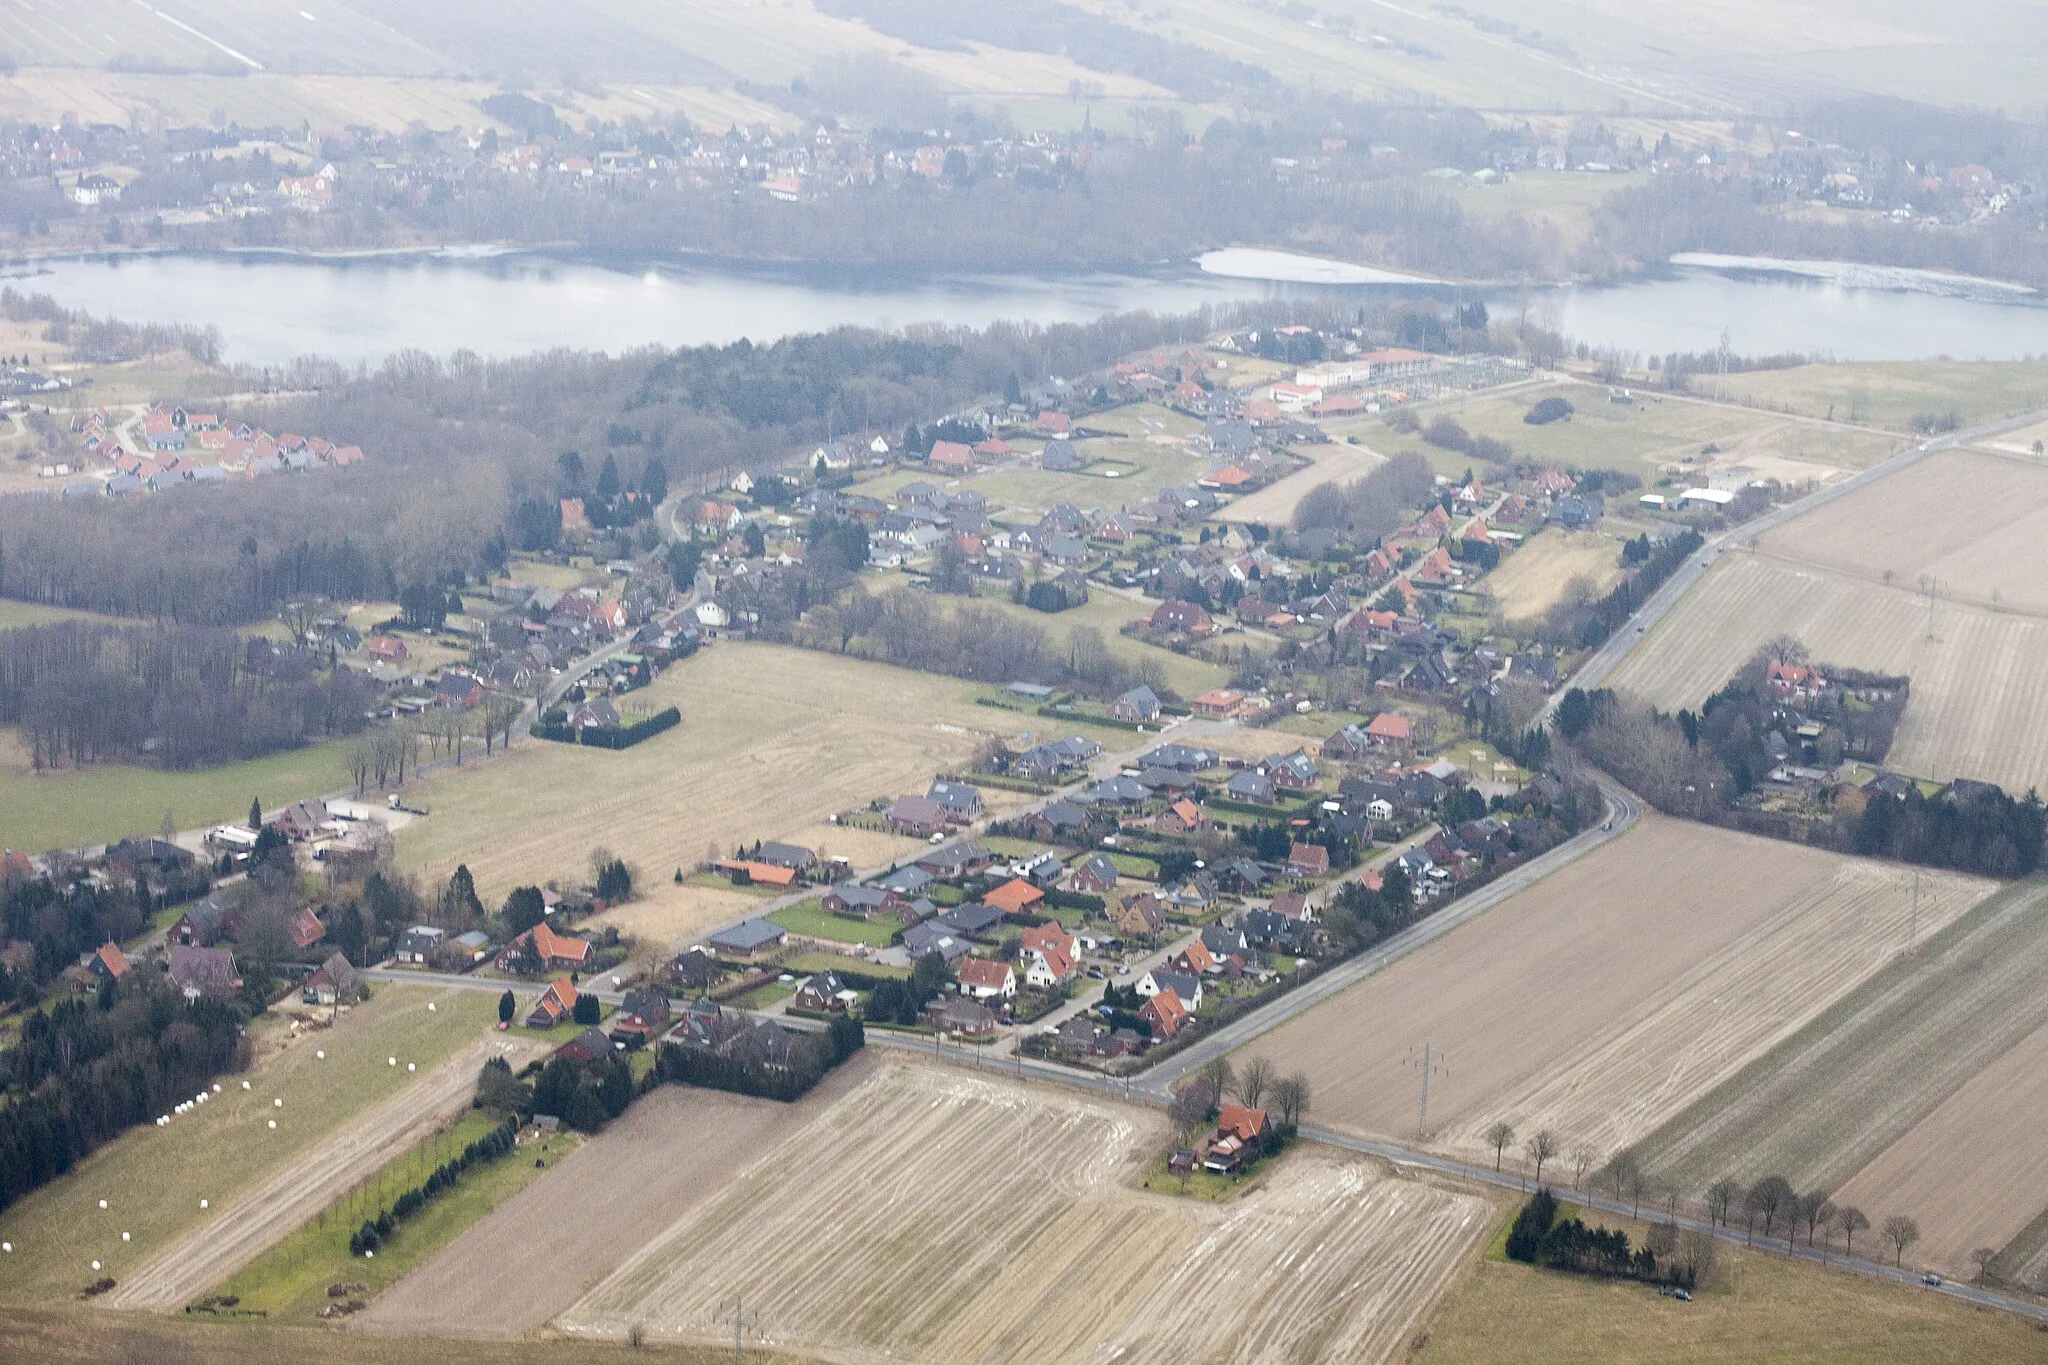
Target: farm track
column 273, row 1210
column 1822, row 1104
column 1329, row 1259
column 1681, row 1041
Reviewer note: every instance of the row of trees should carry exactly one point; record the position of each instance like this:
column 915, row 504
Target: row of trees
column 488, row 1148
column 1258, row 1084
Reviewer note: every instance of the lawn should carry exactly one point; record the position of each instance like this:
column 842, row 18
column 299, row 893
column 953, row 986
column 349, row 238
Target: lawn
column 1656, row 430
column 1202, row 1185
column 289, row 1282
column 71, row 808
column 803, row 964
column 1763, row 1309
column 153, row 1178
column 812, row 921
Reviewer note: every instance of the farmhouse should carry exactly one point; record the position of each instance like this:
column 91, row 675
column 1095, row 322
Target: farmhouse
column 204, row 971
column 1236, row 1141
column 557, row 952
column 332, row 981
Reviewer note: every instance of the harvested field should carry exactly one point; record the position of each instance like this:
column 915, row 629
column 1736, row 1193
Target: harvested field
column 1987, row 1199
column 273, row 1210
column 1658, row 964
column 772, row 741
column 1541, row 574
column 1328, row 1259
column 1827, row 1102
column 665, row 913
column 1980, row 687
column 1976, row 523
column 1893, row 393
column 223, row 1152
column 1338, row 462
column 622, row 1188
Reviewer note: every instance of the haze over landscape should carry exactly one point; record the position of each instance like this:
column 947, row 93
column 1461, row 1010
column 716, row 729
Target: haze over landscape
column 1079, row 680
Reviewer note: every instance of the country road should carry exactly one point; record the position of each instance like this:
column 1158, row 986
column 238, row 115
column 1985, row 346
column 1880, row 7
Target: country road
column 279, row 1206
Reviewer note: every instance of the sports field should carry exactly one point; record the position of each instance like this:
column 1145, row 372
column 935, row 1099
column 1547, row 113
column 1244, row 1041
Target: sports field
column 1693, row 950
column 773, row 740
column 980, row 1219
column 1872, row 1098
column 1980, row 684
column 153, row 1178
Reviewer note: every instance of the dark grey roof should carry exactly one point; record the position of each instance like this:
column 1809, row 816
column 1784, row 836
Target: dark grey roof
column 749, row 934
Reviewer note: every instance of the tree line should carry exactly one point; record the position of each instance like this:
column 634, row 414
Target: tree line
column 169, row 695
column 89, row 1068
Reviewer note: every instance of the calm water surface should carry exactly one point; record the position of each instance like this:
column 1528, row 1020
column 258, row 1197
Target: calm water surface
column 271, row 309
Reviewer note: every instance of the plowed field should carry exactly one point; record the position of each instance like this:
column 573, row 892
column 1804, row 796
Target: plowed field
column 1611, row 994
column 1980, row 681
column 937, row 1217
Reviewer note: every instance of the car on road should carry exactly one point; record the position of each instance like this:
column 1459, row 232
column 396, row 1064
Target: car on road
column 1932, row 1281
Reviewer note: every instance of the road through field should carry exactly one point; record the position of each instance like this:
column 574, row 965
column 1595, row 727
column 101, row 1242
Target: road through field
column 270, row 1212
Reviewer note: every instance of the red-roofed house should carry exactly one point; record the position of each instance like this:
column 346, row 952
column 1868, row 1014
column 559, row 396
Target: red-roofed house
column 109, row 963
column 1013, row 896
column 1050, row 968
column 1239, row 1134
column 1164, row 1014
column 953, row 455
column 1308, row 860
column 557, row 952
column 1050, row 935
column 1219, row 703
column 554, row 1004
column 1389, row 730
column 1182, row 817
column 981, row 979
column 1177, row 615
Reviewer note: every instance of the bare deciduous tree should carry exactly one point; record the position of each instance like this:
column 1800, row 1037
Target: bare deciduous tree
column 1252, row 1082
column 1290, row 1097
column 1770, row 1199
column 1901, row 1232
column 1721, row 1196
column 1817, row 1211
column 1851, row 1221
column 1540, row 1149
column 1582, row 1158
column 1499, row 1136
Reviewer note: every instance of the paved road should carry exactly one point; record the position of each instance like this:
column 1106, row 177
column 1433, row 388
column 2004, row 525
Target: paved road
column 1608, row 657
column 1159, row 1080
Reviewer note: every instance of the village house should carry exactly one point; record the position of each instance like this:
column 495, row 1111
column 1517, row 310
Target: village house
column 1096, row 875
column 918, row 817
column 1308, row 860
column 982, row 979
column 1181, row 616
column 331, row 982
column 1014, row 896
column 967, row 1018
column 1142, row 916
column 554, row 1005
column 204, row 971
column 749, row 938
column 107, row 962
column 417, row 944
column 1164, row 1014
column 1182, row 817
column 557, row 952
column 823, row 993
column 1186, row 987
column 851, row 898
column 1240, row 1133
column 1141, row 703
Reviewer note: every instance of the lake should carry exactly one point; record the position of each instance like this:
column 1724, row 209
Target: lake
column 273, row 307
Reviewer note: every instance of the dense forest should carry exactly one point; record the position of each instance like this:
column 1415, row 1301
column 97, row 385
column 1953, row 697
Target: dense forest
column 173, row 696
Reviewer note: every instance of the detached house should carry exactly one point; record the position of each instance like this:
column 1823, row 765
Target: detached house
column 554, row 1005
column 1164, row 1014
column 557, row 952
column 981, row 979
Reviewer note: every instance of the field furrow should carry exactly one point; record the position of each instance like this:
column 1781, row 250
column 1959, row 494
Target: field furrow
column 937, row 1217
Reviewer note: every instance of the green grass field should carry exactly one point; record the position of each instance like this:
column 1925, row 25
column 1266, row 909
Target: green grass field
column 69, row 808
column 1893, row 394
column 1640, row 438
column 289, row 1282
column 153, row 1178
column 812, row 921
column 1762, row 1309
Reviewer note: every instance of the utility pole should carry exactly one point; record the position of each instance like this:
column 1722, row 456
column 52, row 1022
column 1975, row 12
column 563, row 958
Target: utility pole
column 739, row 1328
column 1425, row 1065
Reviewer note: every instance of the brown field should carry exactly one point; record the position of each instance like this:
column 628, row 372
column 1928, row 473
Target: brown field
column 559, row 1236
column 772, row 741
column 1976, row 523
column 1536, row 577
column 1980, row 703
column 1986, row 1200
column 1892, row 393
column 1338, row 462
column 984, row 1220
column 1605, row 998
column 1940, row 1047
column 269, row 1213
